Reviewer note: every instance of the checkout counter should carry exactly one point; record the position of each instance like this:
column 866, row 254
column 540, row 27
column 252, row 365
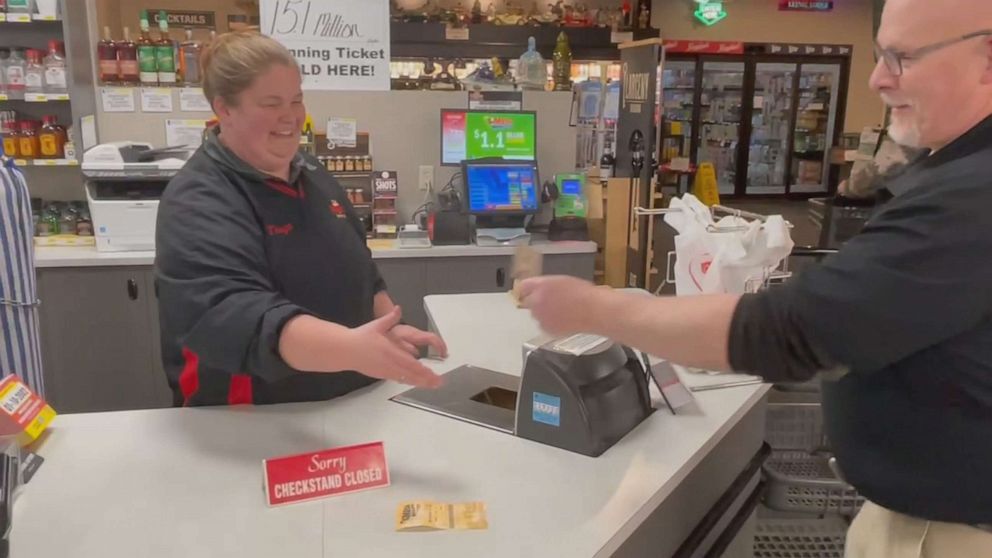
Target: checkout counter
column 188, row 482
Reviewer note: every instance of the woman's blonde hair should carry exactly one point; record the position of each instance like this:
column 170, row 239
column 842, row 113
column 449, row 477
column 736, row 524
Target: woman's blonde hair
column 232, row 62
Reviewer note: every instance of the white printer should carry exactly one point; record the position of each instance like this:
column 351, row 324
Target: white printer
column 124, row 182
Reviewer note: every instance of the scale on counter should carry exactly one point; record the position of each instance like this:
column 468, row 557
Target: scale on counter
column 582, row 393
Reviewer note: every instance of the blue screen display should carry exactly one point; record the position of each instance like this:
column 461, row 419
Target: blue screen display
column 571, row 187
column 501, row 188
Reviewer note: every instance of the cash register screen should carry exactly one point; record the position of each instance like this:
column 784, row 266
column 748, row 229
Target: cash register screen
column 501, row 188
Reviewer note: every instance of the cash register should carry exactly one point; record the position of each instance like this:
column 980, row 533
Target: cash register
column 581, row 393
column 503, row 196
column 124, row 182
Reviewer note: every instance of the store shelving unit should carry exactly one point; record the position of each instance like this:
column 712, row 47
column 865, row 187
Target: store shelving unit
column 34, row 31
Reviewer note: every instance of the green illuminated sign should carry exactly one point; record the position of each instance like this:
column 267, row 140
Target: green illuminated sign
column 508, row 135
column 710, row 13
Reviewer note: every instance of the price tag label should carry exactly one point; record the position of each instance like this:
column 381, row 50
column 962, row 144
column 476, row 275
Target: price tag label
column 621, row 36
column 22, row 412
column 452, row 33
column 15, row 398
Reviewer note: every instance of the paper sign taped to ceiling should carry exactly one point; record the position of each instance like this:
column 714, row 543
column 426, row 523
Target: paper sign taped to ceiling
column 339, row 45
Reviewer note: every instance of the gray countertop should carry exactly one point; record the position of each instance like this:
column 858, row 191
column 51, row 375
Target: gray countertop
column 87, row 256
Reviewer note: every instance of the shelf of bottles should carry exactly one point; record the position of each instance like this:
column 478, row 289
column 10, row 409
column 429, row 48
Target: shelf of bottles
column 457, row 75
column 151, row 60
column 34, row 137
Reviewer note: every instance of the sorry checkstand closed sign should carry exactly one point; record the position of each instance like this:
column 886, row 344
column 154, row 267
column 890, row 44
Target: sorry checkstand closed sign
column 308, row 476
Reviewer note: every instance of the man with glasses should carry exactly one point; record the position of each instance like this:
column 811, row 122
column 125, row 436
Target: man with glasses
column 902, row 315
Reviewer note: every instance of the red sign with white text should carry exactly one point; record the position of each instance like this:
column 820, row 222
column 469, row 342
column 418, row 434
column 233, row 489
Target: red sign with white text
column 704, row 47
column 308, row 476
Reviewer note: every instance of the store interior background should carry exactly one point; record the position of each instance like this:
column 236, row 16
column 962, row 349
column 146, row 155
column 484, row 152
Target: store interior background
column 405, row 126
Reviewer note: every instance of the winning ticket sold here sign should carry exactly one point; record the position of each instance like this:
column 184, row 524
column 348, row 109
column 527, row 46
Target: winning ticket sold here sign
column 339, row 44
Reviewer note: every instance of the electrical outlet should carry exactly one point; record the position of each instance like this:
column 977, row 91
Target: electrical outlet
column 426, row 177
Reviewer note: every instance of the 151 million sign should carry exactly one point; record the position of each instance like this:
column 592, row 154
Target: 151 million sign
column 339, row 44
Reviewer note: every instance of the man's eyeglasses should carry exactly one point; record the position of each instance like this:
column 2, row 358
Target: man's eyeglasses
column 894, row 59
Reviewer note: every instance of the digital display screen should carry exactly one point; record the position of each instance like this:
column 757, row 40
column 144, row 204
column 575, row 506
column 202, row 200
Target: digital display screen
column 501, row 188
column 571, row 187
column 467, row 135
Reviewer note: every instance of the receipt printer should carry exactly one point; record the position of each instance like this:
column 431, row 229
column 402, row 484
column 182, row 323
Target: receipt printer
column 581, row 394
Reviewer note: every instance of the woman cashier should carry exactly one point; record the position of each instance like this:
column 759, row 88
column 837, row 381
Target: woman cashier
column 267, row 291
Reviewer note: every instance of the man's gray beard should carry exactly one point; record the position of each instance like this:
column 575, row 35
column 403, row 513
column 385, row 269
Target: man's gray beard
column 905, row 135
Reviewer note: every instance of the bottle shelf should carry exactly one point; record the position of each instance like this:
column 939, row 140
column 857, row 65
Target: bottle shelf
column 46, row 162
column 26, row 18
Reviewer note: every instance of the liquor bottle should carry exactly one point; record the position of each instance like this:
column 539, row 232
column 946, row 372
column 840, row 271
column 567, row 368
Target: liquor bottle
column 476, row 12
column 55, row 82
column 106, row 52
column 15, row 68
column 11, row 139
column 147, row 50
column 165, row 52
column 51, row 139
column 127, row 54
column 563, row 64
column 34, row 72
column 28, row 147
column 532, row 70
column 189, row 60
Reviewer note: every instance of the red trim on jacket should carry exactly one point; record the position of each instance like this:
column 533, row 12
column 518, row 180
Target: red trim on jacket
column 189, row 380
column 239, row 392
column 284, row 188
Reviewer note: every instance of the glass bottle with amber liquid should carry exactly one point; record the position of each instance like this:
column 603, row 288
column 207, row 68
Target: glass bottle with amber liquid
column 11, row 139
column 28, row 147
column 51, row 139
column 106, row 52
column 127, row 55
column 563, row 64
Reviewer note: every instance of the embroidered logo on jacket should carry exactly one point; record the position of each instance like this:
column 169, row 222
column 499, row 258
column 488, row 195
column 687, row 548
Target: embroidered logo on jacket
column 337, row 210
column 279, row 230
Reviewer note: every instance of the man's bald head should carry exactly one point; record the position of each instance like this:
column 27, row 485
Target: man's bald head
column 933, row 16
column 946, row 91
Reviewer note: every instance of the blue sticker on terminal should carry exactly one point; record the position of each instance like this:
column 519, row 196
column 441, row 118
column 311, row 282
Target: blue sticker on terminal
column 547, row 409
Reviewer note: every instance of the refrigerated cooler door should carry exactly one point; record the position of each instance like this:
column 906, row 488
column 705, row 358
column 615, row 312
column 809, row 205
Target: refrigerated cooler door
column 720, row 120
column 678, row 103
column 816, row 120
column 768, row 153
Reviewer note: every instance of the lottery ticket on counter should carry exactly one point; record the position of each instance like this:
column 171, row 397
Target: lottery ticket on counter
column 439, row 516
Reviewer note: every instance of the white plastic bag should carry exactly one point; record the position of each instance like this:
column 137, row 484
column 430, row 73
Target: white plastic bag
column 726, row 256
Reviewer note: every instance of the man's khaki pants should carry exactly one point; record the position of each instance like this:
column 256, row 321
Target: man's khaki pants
column 880, row 533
